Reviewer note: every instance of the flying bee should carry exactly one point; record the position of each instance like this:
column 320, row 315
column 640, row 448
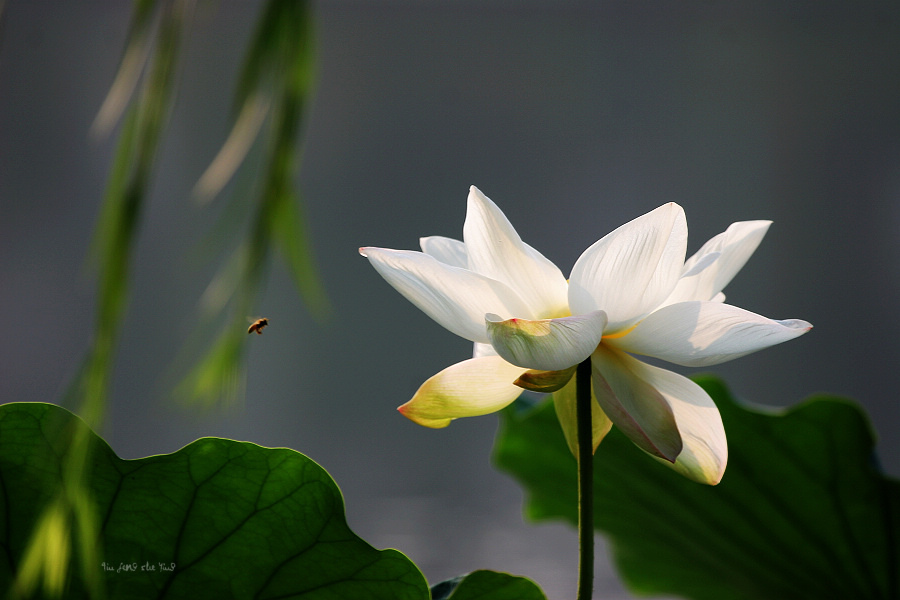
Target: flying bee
column 258, row 326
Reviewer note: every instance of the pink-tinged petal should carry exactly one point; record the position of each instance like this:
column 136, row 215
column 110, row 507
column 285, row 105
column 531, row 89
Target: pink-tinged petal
column 447, row 250
column 565, row 403
column 545, row 382
column 495, row 250
column 631, row 270
column 700, row 334
column 477, row 386
column 456, row 298
column 705, row 450
column 634, row 405
column 546, row 344
column 730, row 251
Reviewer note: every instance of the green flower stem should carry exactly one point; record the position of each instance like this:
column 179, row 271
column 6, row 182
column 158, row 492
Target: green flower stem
column 585, row 481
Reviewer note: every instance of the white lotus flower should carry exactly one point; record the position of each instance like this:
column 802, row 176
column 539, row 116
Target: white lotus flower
column 630, row 293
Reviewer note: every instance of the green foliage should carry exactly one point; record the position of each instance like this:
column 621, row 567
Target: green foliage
column 274, row 87
column 802, row 512
column 487, row 585
column 217, row 519
column 128, row 184
column 117, row 227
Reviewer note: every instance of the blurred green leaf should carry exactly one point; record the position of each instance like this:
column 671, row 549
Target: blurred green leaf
column 274, row 87
column 293, row 241
column 217, row 519
column 487, row 585
column 802, row 511
column 281, row 50
column 134, row 58
column 127, row 187
column 218, row 379
column 281, row 64
column 126, row 192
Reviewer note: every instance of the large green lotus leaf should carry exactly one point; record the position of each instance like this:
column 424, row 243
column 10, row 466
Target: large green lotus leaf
column 802, row 511
column 218, row 519
column 487, row 585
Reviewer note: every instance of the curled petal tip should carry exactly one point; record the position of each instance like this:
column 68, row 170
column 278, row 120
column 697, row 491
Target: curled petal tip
column 799, row 326
column 546, row 344
column 362, row 251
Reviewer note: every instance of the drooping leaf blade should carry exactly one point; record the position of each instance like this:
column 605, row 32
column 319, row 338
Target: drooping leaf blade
column 802, row 512
column 217, row 519
column 273, row 90
column 126, row 193
column 134, row 58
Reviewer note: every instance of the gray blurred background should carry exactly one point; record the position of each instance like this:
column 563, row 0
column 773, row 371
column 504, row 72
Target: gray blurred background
column 574, row 117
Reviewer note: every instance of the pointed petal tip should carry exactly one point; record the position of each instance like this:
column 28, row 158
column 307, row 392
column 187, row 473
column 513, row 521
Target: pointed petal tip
column 478, row 199
column 363, row 251
column 673, row 206
column 799, row 326
column 755, row 224
column 410, row 413
column 707, row 474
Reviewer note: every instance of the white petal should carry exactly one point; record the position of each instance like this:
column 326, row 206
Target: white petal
column 495, row 250
column 447, row 250
column 473, row 387
column 564, row 401
column 456, row 298
column 699, row 334
column 546, row 344
column 631, row 270
column 695, row 267
column 705, row 450
column 483, row 350
column 731, row 250
column 633, row 404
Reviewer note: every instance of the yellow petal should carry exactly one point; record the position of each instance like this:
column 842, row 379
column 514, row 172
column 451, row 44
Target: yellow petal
column 473, row 387
column 564, row 402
